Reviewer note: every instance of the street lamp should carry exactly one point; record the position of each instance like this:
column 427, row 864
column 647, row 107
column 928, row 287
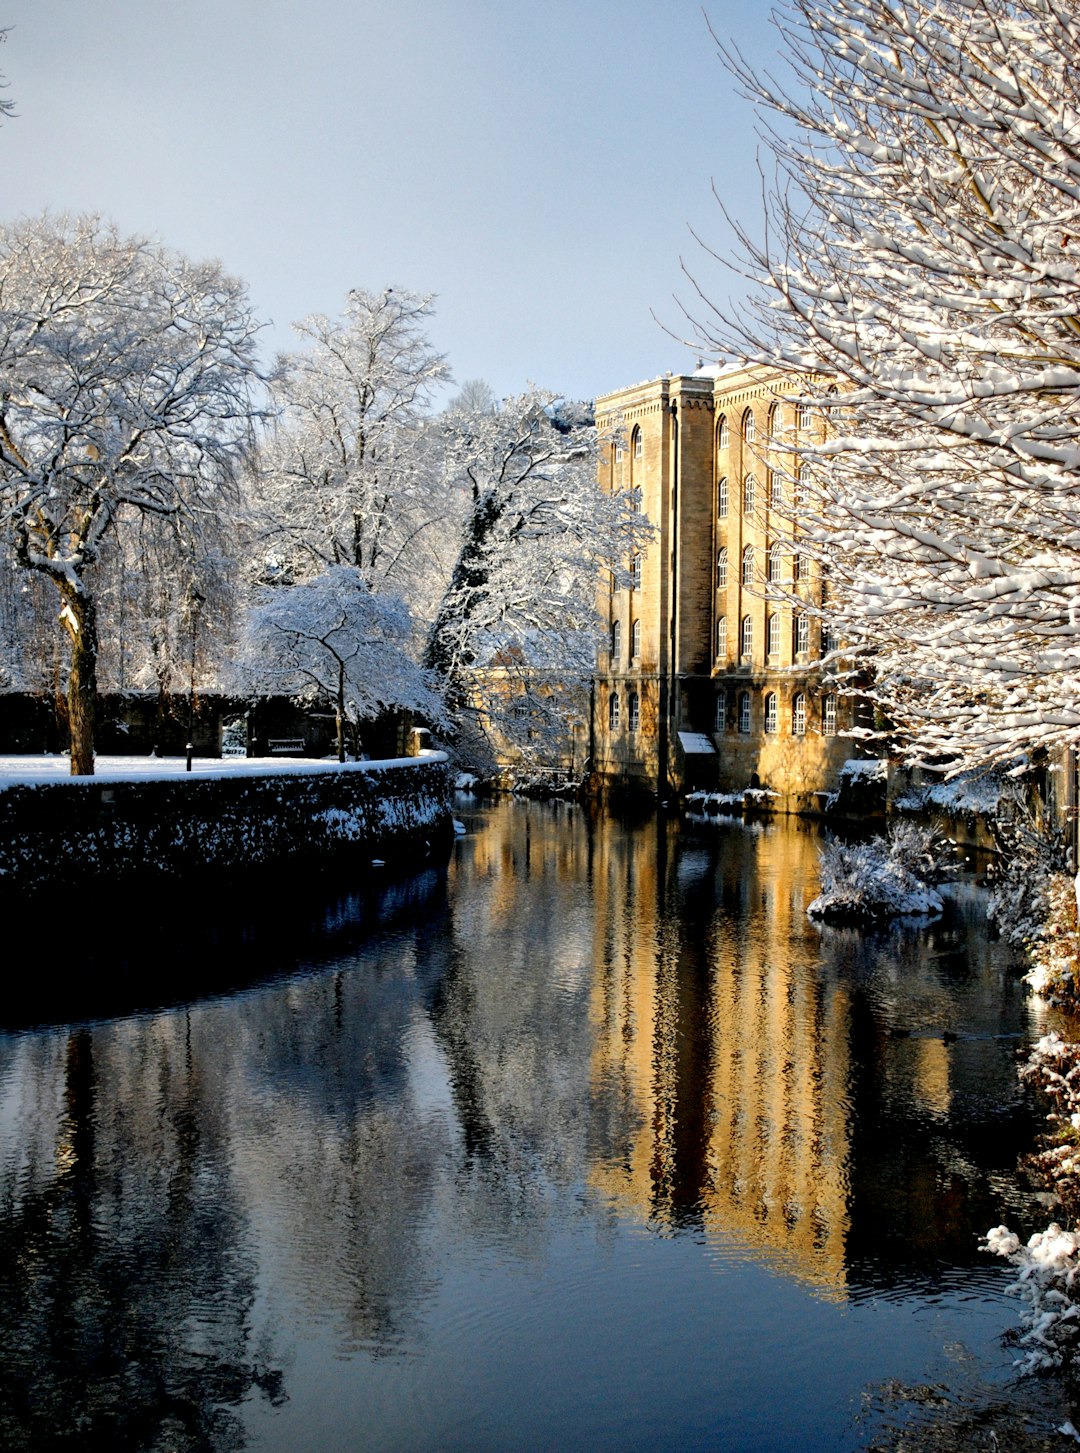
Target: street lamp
column 194, row 601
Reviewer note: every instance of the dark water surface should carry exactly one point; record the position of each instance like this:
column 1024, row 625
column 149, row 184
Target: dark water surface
column 590, row 1142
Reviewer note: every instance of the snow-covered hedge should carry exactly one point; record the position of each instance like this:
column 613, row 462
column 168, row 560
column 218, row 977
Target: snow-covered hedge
column 883, row 878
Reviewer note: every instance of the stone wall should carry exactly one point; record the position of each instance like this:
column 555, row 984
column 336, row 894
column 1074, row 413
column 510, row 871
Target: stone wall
column 223, row 823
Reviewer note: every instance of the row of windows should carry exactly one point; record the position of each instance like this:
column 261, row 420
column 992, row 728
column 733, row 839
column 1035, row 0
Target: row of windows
column 800, row 636
column 775, row 493
column 800, row 713
column 774, row 564
column 616, row 639
column 804, row 419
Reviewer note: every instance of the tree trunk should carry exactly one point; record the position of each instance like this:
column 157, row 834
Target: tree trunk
column 79, row 619
column 340, row 711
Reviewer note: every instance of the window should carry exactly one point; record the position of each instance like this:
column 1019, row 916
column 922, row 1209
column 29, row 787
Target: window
column 616, row 641
column 633, row 712
column 748, row 565
column 723, row 437
column 802, row 566
column 828, row 715
column 806, row 414
column 749, row 428
column 722, row 497
column 721, row 639
column 770, row 712
column 635, row 638
column 613, row 711
column 798, row 714
column 746, row 638
column 638, row 447
column 775, row 566
column 744, row 711
column 749, row 489
column 619, row 451
column 776, row 490
column 829, row 641
column 774, row 423
column 720, row 719
column 721, row 567
column 635, row 572
column 801, row 633
column 798, row 493
column 772, row 634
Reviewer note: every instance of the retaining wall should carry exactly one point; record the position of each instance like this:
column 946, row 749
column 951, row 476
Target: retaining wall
column 223, row 823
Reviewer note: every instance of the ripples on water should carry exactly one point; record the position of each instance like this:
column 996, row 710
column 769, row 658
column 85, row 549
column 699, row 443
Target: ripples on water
column 592, row 1142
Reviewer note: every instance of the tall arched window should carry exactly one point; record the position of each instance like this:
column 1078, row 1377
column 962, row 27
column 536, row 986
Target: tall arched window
column 721, row 639
column 801, row 634
column 746, row 638
column 637, row 448
column 774, row 423
column 749, row 428
column 806, row 414
column 776, row 490
column 723, row 436
column 748, row 565
column 775, row 565
column 798, row 714
column 616, row 641
column 633, row 712
column 772, row 634
column 722, row 497
column 744, row 711
column 721, row 567
column 613, row 711
column 802, row 565
column 749, row 490
column 635, row 638
column 635, row 572
column 828, row 715
column 771, row 714
column 720, row 719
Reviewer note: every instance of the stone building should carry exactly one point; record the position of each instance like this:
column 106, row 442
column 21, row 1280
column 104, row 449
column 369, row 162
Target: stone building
column 711, row 675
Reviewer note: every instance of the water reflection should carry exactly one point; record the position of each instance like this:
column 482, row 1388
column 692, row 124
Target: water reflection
column 587, row 1029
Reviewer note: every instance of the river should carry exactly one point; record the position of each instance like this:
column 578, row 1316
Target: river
column 590, row 1141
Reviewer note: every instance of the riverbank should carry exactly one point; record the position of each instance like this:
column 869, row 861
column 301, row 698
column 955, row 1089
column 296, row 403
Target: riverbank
column 146, row 818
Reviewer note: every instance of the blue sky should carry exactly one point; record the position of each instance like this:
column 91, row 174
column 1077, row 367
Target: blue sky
column 538, row 166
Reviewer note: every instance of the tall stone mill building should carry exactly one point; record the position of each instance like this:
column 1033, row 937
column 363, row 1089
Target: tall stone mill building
column 711, row 674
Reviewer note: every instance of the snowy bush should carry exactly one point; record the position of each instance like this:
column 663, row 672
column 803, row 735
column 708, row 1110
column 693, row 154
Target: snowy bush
column 883, row 878
column 1048, row 1267
column 1034, row 907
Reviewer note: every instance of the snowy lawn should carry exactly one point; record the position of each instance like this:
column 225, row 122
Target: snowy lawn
column 21, row 771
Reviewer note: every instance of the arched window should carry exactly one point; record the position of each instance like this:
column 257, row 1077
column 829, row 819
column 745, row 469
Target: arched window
column 637, row 448
column 723, row 437
column 801, row 634
column 828, row 715
column 772, row 634
column 798, row 493
column 635, row 638
column 613, row 711
column 798, row 714
column 616, row 641
column 720, row 719
column 749, row 490
column 748, row 565
column 774, row 423
column 776, row 490
column 829, row 640
column 633, row 712
column 721, row 567
column 806, row 414
column 721, row 639
column 635, row 572
column 746, row 638
column 775, row 565
column 802, row 565
column 722, row 497
column 749, row 428
column 770, row 712
column 744, row 711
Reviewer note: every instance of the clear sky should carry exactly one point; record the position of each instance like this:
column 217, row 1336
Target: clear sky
column 536, row 165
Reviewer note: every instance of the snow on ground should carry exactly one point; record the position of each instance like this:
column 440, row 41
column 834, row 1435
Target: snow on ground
column 28, row 771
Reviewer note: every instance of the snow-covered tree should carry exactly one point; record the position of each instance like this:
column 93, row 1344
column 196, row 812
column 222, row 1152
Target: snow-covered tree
column 345, row 478
column 922, row 256
column 126, row 376
column 333, row 638
column 516, row 631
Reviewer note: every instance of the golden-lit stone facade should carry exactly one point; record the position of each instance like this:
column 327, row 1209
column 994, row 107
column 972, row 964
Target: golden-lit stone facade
column 710, row 678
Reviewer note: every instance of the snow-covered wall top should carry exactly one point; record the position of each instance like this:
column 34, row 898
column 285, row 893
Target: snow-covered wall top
column 224, row 822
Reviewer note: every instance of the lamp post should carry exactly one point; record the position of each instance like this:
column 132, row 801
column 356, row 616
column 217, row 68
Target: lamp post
column 194, row 601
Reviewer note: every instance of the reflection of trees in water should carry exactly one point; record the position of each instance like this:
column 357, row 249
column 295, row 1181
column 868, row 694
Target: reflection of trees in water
column 125, row 1283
